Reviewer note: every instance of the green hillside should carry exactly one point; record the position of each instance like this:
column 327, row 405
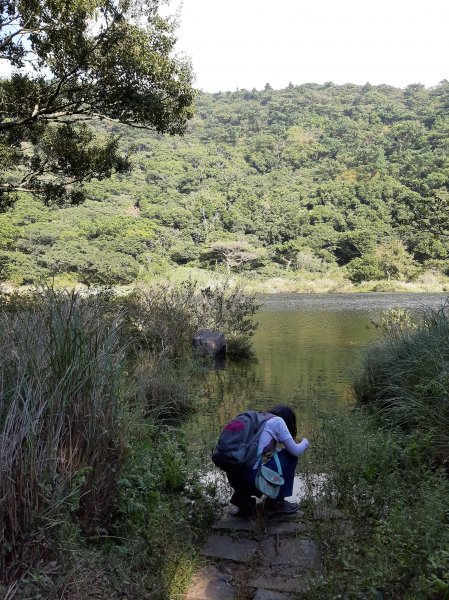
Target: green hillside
column 345, row 182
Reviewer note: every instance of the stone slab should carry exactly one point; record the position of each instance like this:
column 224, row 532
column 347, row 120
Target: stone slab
column 288, row 581
column 224, row 547
column 287, row 565
column 270, row 595
column 286, row 527
column 210, row 583
column 234, row 523
column 303, row 555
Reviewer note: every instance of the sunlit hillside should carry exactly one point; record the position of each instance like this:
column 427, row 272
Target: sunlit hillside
column 310, row 181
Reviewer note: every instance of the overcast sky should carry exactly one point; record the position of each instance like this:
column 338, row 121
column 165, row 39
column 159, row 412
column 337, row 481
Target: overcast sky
column 247, row 43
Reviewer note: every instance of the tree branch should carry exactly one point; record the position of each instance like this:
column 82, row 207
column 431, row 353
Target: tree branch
column 22, row 31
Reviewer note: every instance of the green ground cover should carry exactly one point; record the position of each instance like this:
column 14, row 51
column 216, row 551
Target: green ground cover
column 387, row 463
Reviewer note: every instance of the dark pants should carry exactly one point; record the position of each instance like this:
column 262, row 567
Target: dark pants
column 242, row 478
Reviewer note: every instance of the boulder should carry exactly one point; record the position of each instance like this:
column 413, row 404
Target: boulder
column 211, row 343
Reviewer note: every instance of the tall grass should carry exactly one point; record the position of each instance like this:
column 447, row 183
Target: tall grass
column 91, row 388
column 406, row 374
column 60, row 421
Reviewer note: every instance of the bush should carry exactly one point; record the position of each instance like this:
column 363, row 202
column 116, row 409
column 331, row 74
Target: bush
column 163, row 318
column 165, row 389
column 364, row 269
column 388, row 261
column 20, row 269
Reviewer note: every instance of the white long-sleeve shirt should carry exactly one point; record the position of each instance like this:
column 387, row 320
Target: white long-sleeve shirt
column 276, row 429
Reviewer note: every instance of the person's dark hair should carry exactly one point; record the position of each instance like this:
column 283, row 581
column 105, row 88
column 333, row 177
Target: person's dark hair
column 286, row 413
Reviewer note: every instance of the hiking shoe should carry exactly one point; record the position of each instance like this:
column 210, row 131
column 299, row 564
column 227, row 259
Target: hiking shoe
column 281, row 507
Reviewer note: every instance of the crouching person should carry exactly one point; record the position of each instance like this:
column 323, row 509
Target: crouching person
column 247, row 450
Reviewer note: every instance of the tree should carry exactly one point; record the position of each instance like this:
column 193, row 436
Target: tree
column 73, row 62
column 388, row 260
column 431, row 213
column 234, row 254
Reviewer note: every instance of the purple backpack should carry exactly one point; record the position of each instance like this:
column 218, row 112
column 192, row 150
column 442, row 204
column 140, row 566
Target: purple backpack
column 238, row 443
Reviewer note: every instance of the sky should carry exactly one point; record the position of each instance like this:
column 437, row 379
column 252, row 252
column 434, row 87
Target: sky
column 235, row 44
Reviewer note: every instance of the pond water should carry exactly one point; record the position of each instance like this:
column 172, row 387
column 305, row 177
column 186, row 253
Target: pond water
column 306, row 348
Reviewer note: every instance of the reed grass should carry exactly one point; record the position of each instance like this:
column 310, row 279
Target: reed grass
column 60, row 421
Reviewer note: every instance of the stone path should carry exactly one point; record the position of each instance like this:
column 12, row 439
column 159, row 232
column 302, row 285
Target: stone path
column 257, row 559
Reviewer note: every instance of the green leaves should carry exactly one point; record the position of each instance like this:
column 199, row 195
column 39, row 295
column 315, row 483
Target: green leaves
column 75, row 62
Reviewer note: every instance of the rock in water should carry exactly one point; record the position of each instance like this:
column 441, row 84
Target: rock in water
column 211, row 343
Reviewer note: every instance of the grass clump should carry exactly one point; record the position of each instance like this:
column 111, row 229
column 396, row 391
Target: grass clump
column 60, row 422
column 406, row 375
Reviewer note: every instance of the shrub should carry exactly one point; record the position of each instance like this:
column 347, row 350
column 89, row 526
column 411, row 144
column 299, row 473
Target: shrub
column 394, row 538
column 388, row 260
column 20, row 269
column 164, row 389
column 164, row 317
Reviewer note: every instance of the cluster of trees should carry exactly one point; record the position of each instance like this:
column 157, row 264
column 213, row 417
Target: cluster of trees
column 311, row 177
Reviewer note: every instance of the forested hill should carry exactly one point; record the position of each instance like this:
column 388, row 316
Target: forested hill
column 312, row 178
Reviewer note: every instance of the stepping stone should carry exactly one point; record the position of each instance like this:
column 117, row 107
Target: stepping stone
column 301, row 554
column 286, row 527
column 270, row 595
column 288, row 581
column 287, row 565
column 210, row 583
column 234, row 523
column 222, row 546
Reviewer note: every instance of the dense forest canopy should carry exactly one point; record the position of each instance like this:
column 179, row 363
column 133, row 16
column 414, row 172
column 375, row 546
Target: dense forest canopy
column 308, row 178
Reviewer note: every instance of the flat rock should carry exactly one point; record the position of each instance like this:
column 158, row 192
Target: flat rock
column 286, row 527
column 222, row 546
column 288, row 581
column 270, row 595
column 210, row 583
column 287, row 565
column 303, row 555
column 235, row 523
